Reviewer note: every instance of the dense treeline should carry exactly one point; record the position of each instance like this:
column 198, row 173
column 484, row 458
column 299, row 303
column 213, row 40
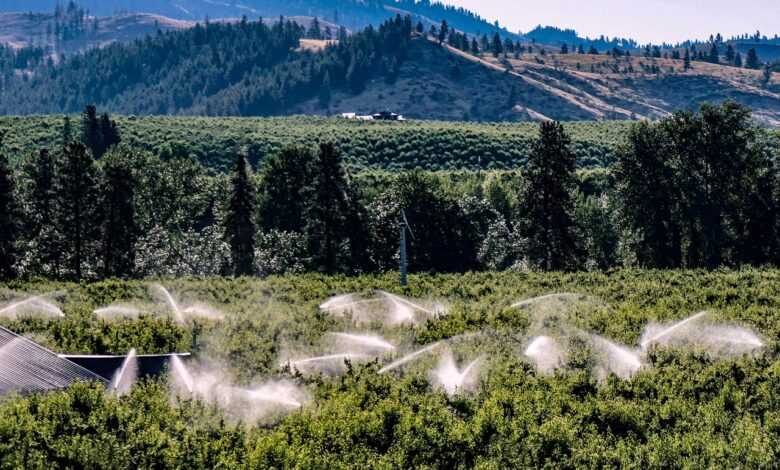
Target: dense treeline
column 684, row 408
column 700, row 190
column 180, row 66
column 245, row 68
column 88, row 211
column 347, row 65
column 393, row 146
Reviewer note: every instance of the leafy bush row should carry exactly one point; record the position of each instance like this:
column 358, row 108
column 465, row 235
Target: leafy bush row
column 427, row 145
column 686, row 410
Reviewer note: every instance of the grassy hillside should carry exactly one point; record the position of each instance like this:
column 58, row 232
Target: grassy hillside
column 684, row 407
column 366, row 145
column 36, row 29
column 603, row 87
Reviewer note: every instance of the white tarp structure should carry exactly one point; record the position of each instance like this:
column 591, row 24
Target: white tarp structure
column 27, row 367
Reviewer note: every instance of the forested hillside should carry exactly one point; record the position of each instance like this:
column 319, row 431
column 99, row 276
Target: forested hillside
column 254, row 69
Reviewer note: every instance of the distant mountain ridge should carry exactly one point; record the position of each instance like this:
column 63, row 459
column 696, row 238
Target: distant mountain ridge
column 353, row 14
column 556, row 36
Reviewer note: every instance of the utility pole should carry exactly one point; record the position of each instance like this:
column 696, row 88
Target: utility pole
column 404, row 226
column 404, row 262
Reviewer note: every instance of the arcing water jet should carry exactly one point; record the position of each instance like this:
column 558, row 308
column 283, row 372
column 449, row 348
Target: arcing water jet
column 126, row 376
column 408, row 303
column 727, row 340
column 264, row 402
column 388, row 308
column 659, row 336
column 181, row 375
column 117, row 311
column 31, row 304
column 171, row 302
column 279, row 393
column 562, row 296
column 452, row 380
column 409, row 358
column 331, row 364
column 366, row 342
column 616, row 359
column 180, row 314
column 546, row 354
column 204, row 311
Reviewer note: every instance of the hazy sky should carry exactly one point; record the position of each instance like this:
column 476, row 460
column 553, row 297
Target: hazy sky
column 654, row 20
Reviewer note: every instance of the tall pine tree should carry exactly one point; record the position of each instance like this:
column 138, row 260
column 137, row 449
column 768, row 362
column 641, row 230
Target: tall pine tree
column 98, row 133
column 284, row 175
column 91, row 131
column 240, row 226
column 329, row 211
column 42, row 235
column 546, row 211
column 119, row 233
column 752, row 61
column 77, row 209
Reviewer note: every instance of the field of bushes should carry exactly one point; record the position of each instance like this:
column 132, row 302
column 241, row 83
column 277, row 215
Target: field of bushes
column 427, row 145
column 685, row 408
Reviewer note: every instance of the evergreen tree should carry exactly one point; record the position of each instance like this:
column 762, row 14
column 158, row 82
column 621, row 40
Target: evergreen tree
column 76, row 213
column 687, row 60
column 315, row 31
column 91, row 131
column 329, row 210
column 564, row 49
column 509, row 46
column 484, row 43
column 496, row 46
column 119, row 232
column 42, row 236
column 738, row 60
column 67, row 131
column 283, row 176
column 444, row 29
column 240, row 226
column 9, row 221
column 645, row 184
column 714, row 57
column 109, row 135
column 547, row 207
column 752, row 61
column 325, row 91
column 730, row 54
column 714, row 152
column 474, row 46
